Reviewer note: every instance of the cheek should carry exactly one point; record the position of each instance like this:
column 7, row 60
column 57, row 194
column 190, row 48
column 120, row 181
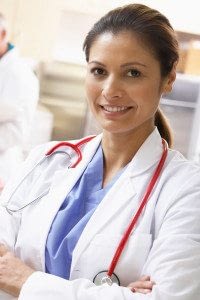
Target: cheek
column 146, row 97
column 87, row 87
column 93, row 90
column 152, row 90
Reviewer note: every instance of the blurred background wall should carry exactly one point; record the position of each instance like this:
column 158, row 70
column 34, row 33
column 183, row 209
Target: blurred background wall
column 50, row 33
column 35, row 24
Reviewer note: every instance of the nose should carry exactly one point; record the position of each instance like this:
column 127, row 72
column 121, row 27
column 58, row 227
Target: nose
column 112, row 89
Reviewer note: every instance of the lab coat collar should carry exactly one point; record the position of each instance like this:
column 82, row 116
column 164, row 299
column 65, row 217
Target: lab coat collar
column 148, row 154
column 9, row 56
column 71, row 175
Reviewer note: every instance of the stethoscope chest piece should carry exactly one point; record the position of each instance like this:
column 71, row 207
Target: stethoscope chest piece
column 102, row 278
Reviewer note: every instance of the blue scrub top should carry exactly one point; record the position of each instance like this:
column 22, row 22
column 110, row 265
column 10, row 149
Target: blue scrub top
column 73, row 215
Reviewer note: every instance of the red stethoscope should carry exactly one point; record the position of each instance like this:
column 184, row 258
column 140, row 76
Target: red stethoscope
column 75, row 147
column 109, row 277
column 59, row 148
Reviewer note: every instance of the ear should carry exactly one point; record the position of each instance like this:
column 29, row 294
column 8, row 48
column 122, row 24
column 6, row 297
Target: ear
column 168, row 83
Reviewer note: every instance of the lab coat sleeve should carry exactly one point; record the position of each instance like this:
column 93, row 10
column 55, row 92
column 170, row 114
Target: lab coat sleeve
column 44, row 286
column 16, row 190
column 9, row 224
column 18, row 100
column 173, row 262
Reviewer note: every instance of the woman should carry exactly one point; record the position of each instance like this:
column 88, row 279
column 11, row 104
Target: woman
column 84, row 206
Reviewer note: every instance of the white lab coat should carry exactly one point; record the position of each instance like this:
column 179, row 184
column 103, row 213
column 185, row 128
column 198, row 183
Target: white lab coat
column 19, row 93
column 164, row 245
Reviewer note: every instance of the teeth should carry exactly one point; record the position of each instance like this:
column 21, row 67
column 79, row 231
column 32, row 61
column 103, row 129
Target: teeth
column 115, row 108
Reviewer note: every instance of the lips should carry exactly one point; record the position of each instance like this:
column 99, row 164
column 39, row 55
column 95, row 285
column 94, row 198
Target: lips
column 114, row 109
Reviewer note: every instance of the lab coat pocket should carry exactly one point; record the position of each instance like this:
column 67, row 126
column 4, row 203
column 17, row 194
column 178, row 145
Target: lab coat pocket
column 98, row 255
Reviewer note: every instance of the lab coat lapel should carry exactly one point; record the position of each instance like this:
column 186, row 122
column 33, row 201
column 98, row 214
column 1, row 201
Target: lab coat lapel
column 148, row 155
column 113, row 202
column 65, row 180
column 123, row 191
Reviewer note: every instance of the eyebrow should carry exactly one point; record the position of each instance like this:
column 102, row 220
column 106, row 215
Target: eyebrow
column 122, row 66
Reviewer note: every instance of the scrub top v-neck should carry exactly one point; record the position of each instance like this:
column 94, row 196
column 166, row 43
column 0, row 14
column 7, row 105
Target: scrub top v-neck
column 73, row 215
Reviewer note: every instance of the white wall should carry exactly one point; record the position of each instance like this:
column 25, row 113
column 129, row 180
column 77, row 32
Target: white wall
column 34, row 24
column 184, row 15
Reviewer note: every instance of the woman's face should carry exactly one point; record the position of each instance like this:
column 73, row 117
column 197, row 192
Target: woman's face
column 123, row 83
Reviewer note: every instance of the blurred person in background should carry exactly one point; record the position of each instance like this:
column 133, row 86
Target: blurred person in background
column 19, row 94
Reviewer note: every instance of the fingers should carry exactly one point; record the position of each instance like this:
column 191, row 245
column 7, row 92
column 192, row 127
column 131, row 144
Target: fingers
column 142, row 291
column 13, row 272
column 144, row 285
column 144, row 278
column 3, row 250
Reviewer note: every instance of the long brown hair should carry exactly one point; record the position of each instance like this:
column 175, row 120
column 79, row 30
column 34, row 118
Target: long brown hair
column 163, row 126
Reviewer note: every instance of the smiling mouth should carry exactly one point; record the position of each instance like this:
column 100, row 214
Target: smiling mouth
column 114, row 109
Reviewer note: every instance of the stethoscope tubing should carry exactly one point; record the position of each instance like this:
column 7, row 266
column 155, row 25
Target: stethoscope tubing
column 53, row 150
column 136, row 216
column 75, row 147
column 11, row 211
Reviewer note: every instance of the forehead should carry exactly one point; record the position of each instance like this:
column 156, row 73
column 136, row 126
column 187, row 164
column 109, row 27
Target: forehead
column 121, row 47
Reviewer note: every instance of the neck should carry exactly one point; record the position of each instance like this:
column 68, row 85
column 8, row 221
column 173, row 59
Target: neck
column 120, row 148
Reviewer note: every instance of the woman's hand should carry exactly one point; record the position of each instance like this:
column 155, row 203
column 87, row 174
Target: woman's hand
column 13, row 272
column 144, row 285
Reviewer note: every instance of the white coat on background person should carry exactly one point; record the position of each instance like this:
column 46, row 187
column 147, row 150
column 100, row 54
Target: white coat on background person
column 127, row 72
column 19, row 94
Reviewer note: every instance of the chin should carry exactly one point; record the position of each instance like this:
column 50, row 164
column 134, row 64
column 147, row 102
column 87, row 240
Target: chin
column 116, row 129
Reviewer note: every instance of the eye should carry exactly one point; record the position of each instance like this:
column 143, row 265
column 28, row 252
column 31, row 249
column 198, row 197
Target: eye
column 134, row 73
column 98, row 71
